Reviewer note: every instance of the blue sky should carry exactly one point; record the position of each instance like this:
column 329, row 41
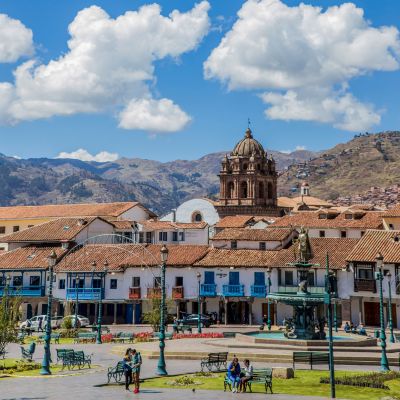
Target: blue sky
column 210, row 109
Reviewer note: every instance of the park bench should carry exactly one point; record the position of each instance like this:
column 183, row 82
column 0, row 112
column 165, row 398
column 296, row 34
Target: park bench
column 216, row 360
column 116, row 372
column 263, row 376
column 310, row 357
column 27, row 354
column 55, row 337
column 21, row 337
column 104, row 329
column 72, row 359
column 124, row 337
column 181, row 328
column 62, row 352
column 167, row 335
column 85, row 337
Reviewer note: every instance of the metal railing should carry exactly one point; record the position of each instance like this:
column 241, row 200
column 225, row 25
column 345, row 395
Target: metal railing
column 233, row 290
column 365, row 285
column 258, row 290
column 134, row 293
column 32, row 291
column 85, row 293
column 208, row 289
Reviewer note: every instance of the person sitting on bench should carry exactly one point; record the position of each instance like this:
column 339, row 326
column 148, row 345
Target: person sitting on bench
column 246, row 375
column 234, row 374
column 361, row 330
column 347, row 327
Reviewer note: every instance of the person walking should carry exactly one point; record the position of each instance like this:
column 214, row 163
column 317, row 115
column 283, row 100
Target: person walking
column 40, row 325
column 246, row 375
column 136, row 364
column 127, row 360
column 234, row 374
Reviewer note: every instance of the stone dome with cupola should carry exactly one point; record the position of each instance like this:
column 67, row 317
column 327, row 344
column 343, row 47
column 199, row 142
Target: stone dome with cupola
column 248, row 146
column 248, row 180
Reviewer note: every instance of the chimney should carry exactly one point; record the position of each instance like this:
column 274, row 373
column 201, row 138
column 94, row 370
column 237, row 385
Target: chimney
column 174, row 215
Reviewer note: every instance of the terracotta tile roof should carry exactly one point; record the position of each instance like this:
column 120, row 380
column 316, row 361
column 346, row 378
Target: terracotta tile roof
column 249, row 234
column 393, row 212
column 122, row 256
column 67, row 210
column 159, row 225
column 238, row 258
column 122, row 225
column 374, row 241
column 286, row 202
column 61, row 229
column 337, row 248
column 310, row 219
column 30, row 257
column 234, row 221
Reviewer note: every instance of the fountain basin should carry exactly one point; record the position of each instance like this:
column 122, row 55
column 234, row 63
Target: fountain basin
column 278, row 338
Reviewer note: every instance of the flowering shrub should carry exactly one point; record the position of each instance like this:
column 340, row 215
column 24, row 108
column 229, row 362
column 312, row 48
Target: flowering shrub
column 208, row 335
column 107, row 338
column 143, row 337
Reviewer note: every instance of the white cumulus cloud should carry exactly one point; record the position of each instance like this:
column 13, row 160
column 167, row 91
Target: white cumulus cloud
column 84, row 155
column 153, row 115
column 303, row 57
column 15, row 39
column 108, row 66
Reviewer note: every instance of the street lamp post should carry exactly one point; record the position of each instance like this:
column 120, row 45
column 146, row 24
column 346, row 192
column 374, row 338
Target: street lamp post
column 335, row 316
column 47, row 355
column 76, row 301
column 329, row 289
column 100, row 316
column 379, row 277
column 389, row 276
column 269, row 303
column 6, row 291
column 161, row 367
column 199, row 302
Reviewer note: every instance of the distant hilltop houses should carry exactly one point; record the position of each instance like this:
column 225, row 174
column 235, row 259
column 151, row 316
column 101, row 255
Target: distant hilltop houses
column 229, row 253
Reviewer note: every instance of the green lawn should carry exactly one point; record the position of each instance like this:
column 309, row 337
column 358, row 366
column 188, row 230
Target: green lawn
column 11, row 363
column 30, row 339
column 304, row 383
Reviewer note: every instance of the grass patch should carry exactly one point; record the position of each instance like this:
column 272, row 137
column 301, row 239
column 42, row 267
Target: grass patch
column 305, row 383
column 30, row 339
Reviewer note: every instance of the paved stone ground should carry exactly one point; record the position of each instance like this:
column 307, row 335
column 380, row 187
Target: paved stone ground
column 90, row 385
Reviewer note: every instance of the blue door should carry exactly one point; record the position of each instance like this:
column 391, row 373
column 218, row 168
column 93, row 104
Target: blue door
column 138, row 313
column 209, row 277
column 129, row 314
column 259, row 278
column 234, row 277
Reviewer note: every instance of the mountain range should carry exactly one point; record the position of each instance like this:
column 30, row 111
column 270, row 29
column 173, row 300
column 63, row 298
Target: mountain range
column 347, row 168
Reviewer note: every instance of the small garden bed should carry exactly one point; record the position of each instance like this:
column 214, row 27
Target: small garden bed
column 375, row 380
column 209, row 335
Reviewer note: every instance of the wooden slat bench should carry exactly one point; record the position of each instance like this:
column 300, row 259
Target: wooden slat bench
column 214, row 360
column 310, row 357
column 27, row 354
column 85, row 337
column 124, row 337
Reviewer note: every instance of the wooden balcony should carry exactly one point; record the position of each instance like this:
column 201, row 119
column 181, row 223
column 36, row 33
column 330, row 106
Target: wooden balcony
column 177, row 292
column 134, row 293
column 365, row 285
column 154, row 293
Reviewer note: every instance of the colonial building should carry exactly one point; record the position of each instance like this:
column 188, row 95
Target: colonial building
column 248, row 180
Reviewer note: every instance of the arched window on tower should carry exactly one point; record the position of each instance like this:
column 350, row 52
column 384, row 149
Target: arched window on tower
column 197, row 217
column 270, row 191
column 243, row 190
column 261, row 190
column 231, row 190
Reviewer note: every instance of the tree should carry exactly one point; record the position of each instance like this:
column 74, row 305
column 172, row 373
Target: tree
column 152, row 317
column 9, row 316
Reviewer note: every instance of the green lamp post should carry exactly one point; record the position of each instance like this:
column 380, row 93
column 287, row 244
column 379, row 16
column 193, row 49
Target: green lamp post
column 76, row 300
column 329, row 290
column 335, row 324
column 269, row 303
column 199, row 304
column 389, row 276
column 47, row 355
column 379, row 277
column 102, row 275
column 161, row 366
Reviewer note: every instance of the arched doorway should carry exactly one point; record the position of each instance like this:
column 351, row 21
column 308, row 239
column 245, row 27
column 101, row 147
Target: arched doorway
column 231, row 190
column 243, row 190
